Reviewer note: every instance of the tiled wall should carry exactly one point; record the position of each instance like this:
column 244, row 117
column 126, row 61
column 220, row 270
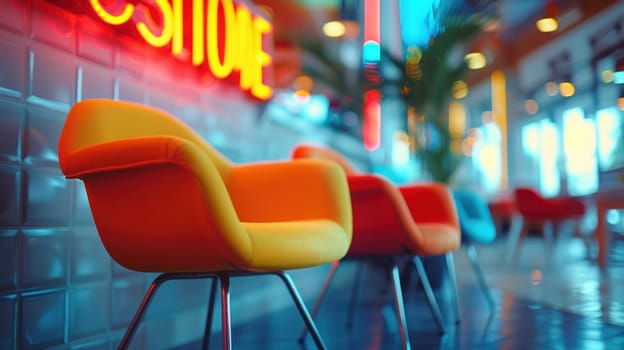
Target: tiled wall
column 58, row 287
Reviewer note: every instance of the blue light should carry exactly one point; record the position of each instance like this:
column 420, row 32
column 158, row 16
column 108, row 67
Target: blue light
column 371, row 52
column 419, row 21
column 316, row 109
column 618, row 77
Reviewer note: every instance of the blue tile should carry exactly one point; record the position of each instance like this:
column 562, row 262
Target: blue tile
column 160, row 332
column 48, row 198
column 138, row 340
column 82, row 209
column 43, row 319
column 10, row 201
column 45, row 258
column 164, row 303
column 90, row 261
column 53, row 79
column 9, row 255
column 99, row 344
column 8, row 320
column 13, row 67
column 97, row 82
column 89, row 308
column 126, row 298
column 192, row 293
column 11, row 121
column 42, row 134
column 122, row 272
column 53, row 26
column 131, row 90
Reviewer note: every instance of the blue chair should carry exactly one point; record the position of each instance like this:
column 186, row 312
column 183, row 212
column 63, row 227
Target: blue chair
column 477, row 225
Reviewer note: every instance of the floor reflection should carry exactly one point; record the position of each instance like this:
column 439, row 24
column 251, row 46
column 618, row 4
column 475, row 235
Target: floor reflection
column 563, row 303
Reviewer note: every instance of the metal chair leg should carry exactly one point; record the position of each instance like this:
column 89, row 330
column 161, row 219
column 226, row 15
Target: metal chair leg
column 433, row 304
column 138, row 316
column 321, row 297
column 400, row 306
column 302, row 309
column 474, row 261
column 210, row 313
column 450, row 267
column 515, row 238
column 355, row 293
column 224, row 278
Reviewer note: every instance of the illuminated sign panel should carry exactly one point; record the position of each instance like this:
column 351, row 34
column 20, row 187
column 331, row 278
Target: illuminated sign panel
column 224, row 36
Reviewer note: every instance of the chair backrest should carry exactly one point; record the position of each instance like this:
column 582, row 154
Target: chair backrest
column 320, row 152
column 475, row 217
column 529, row 201
column 95, row 121
column 170, row 215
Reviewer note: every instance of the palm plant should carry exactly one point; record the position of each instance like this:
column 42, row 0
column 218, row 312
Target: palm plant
column 427, row 84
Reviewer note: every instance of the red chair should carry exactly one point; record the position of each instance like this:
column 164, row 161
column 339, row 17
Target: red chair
column 390, row 222
column 166, row 201
column 546, row 214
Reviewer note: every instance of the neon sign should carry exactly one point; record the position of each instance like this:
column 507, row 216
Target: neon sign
column 224, row 36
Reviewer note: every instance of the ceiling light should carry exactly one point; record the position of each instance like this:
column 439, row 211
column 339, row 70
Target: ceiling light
column 566, row 89
column 548, row 23
column 531, row 106
column 334, row 29
column 475, row 60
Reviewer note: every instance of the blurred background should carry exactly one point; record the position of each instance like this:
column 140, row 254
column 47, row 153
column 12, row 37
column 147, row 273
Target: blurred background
column 485, row 95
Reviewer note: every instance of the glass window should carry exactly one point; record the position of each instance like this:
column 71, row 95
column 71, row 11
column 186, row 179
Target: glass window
column 579, row 148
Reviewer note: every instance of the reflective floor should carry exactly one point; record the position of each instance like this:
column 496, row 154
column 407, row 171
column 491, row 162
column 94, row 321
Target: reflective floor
column 558, row 300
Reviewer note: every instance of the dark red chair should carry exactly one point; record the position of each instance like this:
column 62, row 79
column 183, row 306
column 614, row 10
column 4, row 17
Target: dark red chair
column 391, row 223
column 544, row 214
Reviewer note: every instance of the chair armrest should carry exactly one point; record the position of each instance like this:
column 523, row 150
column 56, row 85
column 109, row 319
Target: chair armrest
column 114, row 155
column 169, row 186
column 303, row 189
column 431, row 203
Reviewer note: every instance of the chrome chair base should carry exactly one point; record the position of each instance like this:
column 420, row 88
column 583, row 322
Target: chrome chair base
column 399, row 306
column 224, row 279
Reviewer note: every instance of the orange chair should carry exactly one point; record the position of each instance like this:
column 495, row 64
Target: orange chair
column 545, row 213
column 392, row 222
column 165, row 201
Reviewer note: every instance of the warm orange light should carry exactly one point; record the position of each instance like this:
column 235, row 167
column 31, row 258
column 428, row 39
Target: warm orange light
column 567, row 89
column 536, row 277
column 460, row 89
column 468, row 146
column 499, row 112
column 166, row 32
column 457, row 119
column 531, row 106
column 244, row 39
column 177, row 44
column 108, row 17
column 198, row 32
column 620, row 103
column 261, row 59
column 475, row 60
column 304, row 82
column 551, row 88
column 548, row 23
column 227, row 37
column 220, row 68
column 334, row 29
